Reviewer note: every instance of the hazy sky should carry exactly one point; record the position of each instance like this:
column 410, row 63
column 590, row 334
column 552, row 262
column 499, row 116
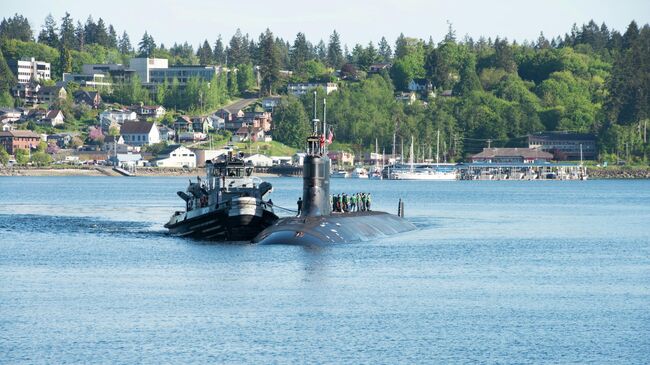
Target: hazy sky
column 357, row 21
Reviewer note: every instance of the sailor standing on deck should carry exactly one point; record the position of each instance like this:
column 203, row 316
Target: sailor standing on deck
column 299, row 207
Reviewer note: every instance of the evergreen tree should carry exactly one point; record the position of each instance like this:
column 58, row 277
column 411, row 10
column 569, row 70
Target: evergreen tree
column 334, row 52
column 300, row 52
column 147, row 46
column 218, row 53
column 400, row 46
column 204, row 53
column 48, row 34
column 269, row 62
column 67, row 38
column 385, row 52
column 65, row 59
column 7, row 78
column 101, row 35
column 321, row 51
column 238, row 49
column 124, row 44
column 79, row 37
column 90, row 30
column 16, row 27
column 112, row 37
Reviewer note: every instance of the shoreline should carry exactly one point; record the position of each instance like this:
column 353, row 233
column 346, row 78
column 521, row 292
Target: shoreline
column 594, row 173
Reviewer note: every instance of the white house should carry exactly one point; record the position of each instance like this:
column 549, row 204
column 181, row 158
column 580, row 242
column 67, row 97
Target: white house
column 52, row 118
column 119, row 116
column 204, row 155
column 140, row 133
column 175, row 156
column 259, row 160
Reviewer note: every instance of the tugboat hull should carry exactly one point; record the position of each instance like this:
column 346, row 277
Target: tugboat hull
column 218, row 226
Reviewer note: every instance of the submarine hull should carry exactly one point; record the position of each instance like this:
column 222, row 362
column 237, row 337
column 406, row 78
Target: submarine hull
column 335, row 228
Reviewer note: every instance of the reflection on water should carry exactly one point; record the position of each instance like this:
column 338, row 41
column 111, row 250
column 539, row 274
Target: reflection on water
column 522, row 272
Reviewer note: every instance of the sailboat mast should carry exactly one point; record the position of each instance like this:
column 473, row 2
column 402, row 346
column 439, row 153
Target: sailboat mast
column 438, row 148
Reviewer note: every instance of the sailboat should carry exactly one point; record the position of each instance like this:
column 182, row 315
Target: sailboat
column 438, row 171
column 377, row 173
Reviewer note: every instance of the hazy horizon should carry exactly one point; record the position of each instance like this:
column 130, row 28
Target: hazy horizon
column 358, row 22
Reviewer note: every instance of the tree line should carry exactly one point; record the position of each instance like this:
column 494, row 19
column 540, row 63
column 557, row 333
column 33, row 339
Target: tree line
column 592, row 79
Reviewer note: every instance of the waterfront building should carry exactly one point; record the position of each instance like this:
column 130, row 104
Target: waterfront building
column 564, row 145
column 175, row 156
column 20, row 139
column 298, row 89
column 511, row 155
column 259, row 160
column 30, row 70
column 140, row 133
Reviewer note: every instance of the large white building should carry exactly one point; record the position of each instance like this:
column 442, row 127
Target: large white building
column 155, row 71
column 302, row 88
column 175, row 156
column 28, row 70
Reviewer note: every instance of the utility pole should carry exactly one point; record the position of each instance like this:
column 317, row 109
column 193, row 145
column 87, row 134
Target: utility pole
column 489, row 142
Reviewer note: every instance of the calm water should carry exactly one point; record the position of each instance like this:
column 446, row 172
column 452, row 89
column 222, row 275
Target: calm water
column 499, row 272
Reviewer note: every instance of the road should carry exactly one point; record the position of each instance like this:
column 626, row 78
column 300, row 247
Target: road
column 240, row 104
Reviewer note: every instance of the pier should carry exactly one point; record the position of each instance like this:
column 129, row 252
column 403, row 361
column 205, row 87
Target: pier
column 521, row 171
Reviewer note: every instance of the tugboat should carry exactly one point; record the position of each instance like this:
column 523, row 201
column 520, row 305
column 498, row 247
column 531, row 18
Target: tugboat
column 227, row 206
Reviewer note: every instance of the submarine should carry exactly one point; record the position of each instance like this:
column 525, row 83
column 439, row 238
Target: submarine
column 317, row 224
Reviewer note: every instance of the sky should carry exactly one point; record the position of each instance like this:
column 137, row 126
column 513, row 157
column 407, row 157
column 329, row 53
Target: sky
column 363, row 21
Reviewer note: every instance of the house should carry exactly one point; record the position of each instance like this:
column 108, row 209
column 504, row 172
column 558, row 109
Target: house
column 27, row 93
column 229, row 115
column 166, row 133
column 52, row 118
column 183, row 124
column 420, row 85
column 511, row 155
column 140, row 133
column 149, row 111
column 50, row 94
column 60, row 139
column 341, row 158
column 112, row 116
column 201, row 124
column 175, row 156
column 378, row 67
column 564, row 145
column 21, row 139
column 116, row 145
column 271, row 103
column 91, row 98
column 10, row 114
column 218, row 123
column 408, row 98
column 259, row 160
column 298, row 89
column 248, row 133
